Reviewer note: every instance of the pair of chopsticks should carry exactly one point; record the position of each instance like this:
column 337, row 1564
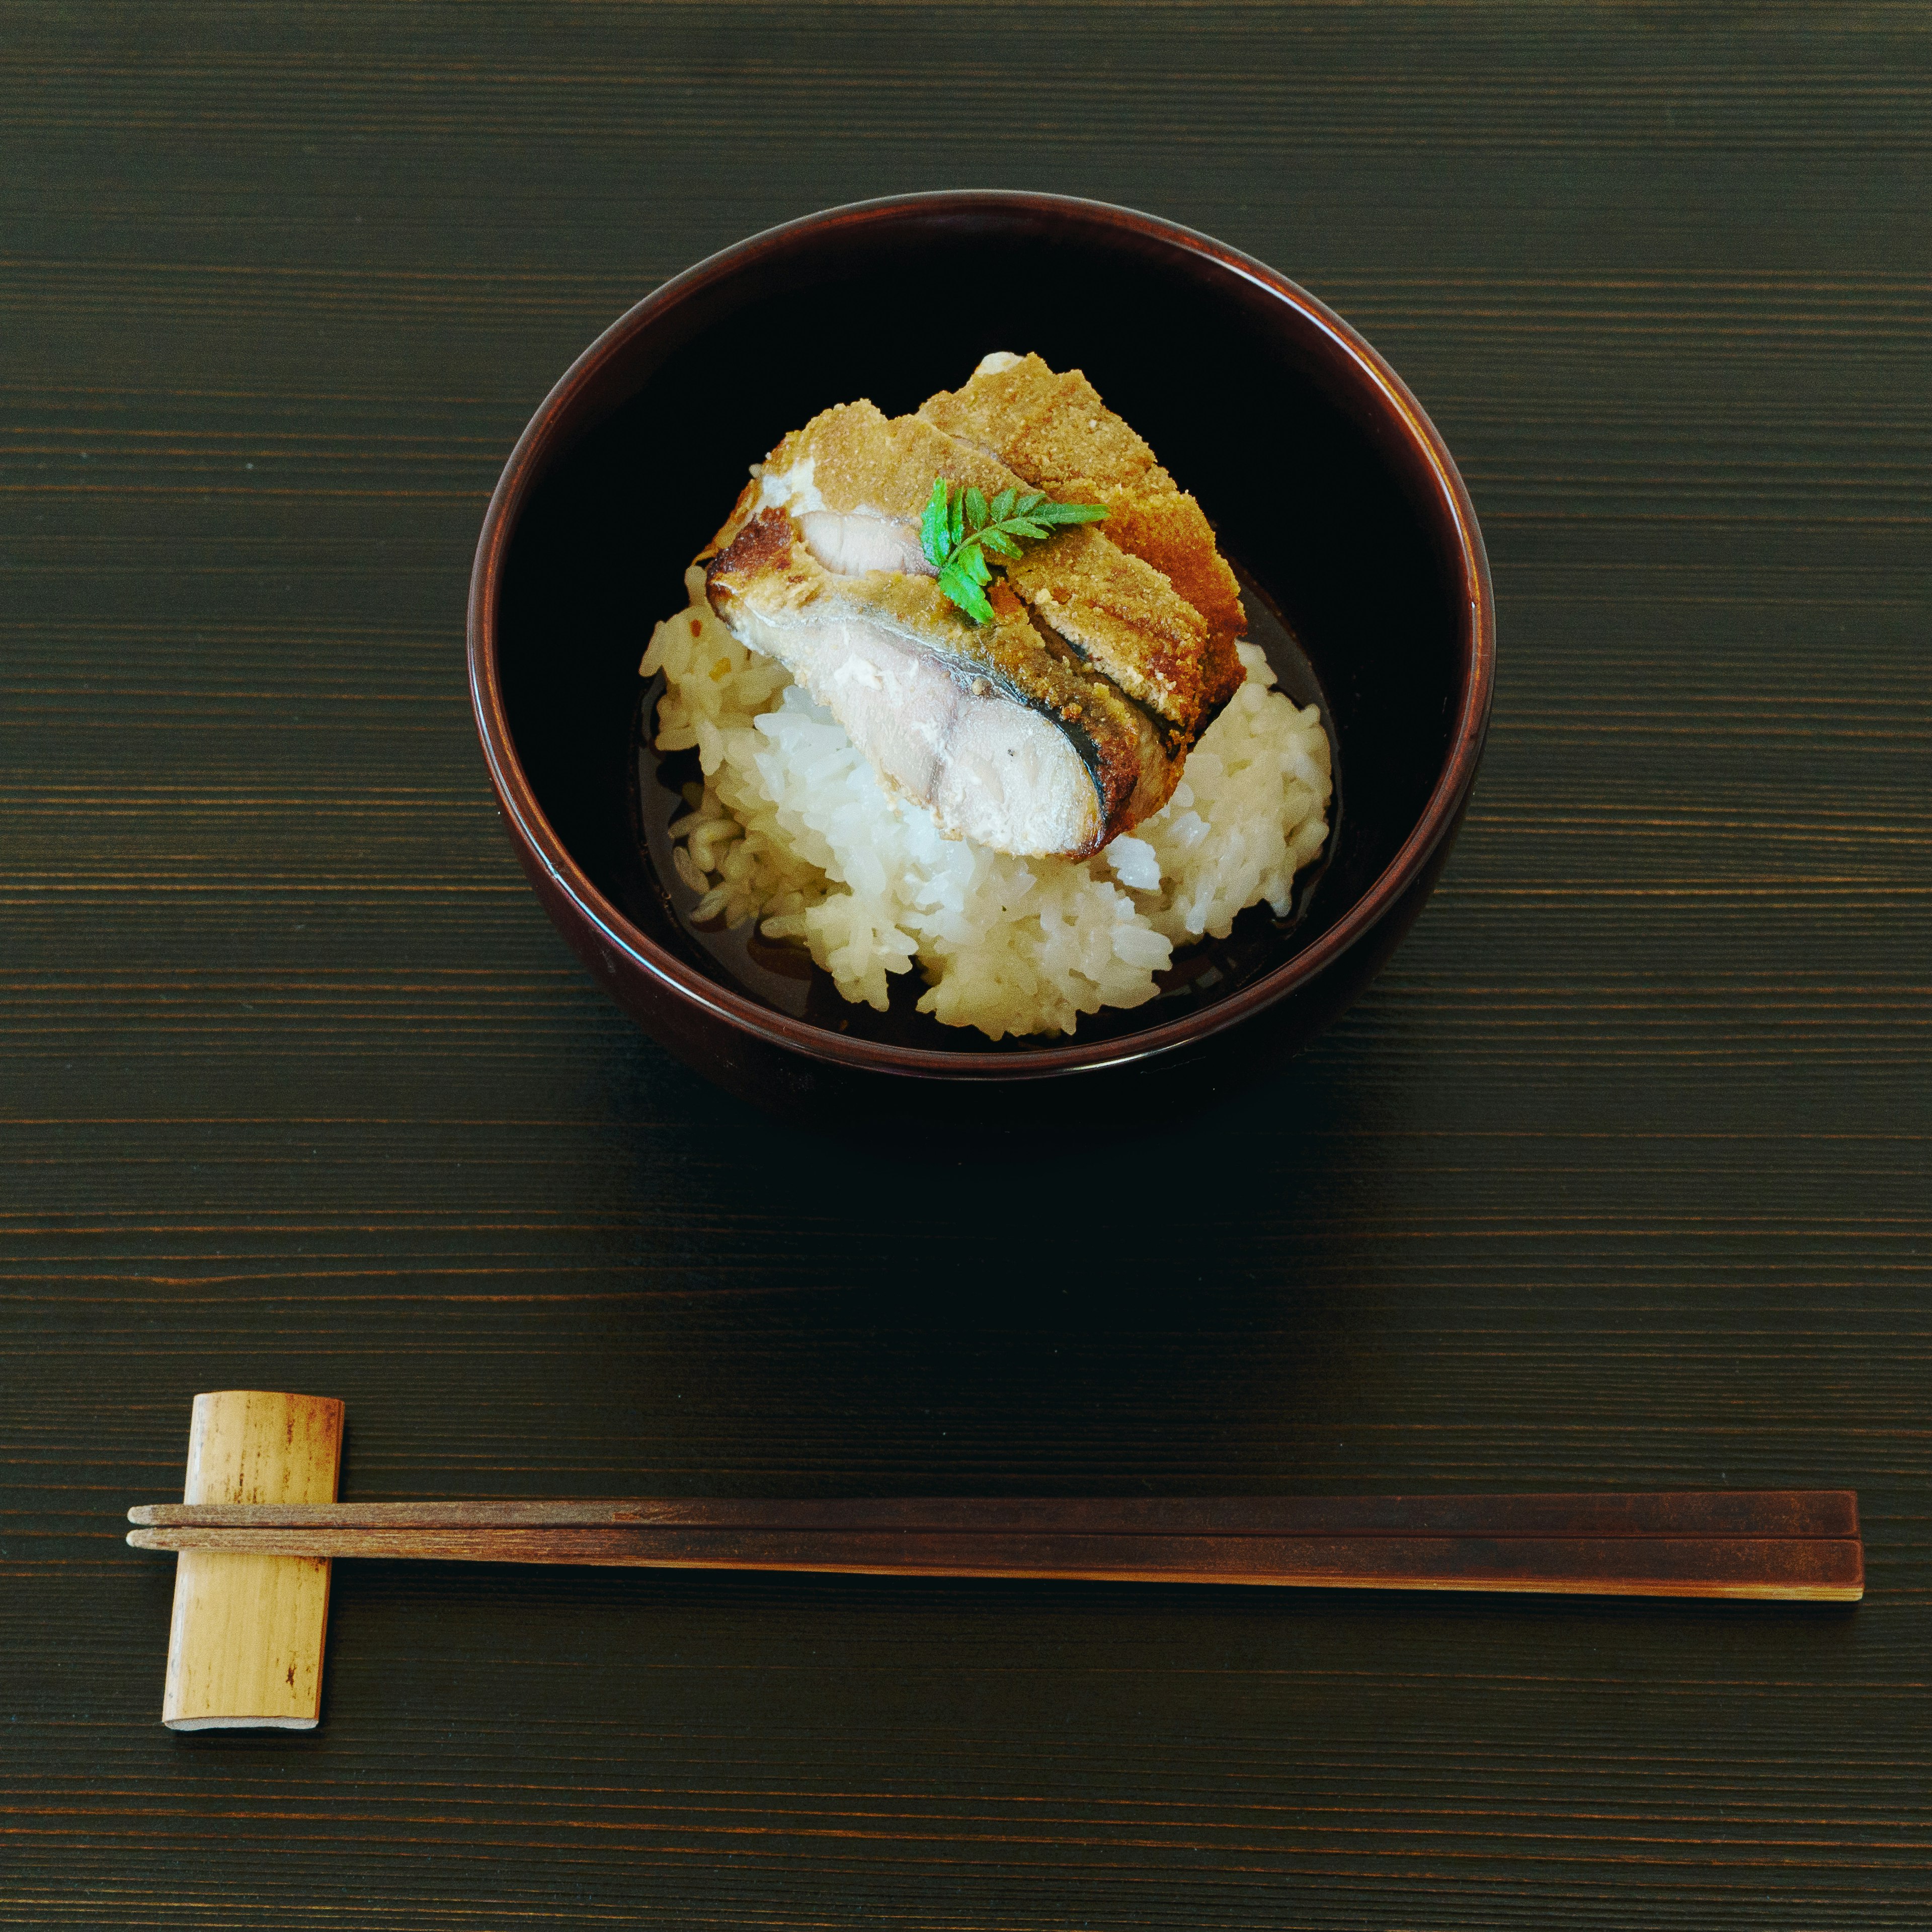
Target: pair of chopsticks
column 1801, row 1544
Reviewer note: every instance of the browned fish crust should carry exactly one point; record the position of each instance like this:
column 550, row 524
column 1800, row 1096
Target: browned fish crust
column 1122, row 615
column 763, row 543
column 1116, row 611
column 747, row 502
column 1169, row 532
column 1044, row 424
column 862, row 457
column 1054, row 431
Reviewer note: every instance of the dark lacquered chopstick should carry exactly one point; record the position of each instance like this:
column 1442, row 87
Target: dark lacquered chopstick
column 1801, row 1544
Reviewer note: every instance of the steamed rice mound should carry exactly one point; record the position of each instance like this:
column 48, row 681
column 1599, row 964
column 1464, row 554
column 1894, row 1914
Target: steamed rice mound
column 793, row 829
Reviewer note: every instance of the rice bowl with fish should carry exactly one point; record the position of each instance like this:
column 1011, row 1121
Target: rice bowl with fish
column 1034, row 785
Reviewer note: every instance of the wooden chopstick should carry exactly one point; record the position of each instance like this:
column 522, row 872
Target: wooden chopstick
column 1788, row 1544
column 1750, row 1512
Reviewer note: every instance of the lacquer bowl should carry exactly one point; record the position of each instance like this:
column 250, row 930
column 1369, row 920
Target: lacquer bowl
column 1329, row 488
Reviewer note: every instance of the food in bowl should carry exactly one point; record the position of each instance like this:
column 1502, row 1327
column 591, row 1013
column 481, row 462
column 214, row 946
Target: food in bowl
column 1035, row 783
column 1357, row 552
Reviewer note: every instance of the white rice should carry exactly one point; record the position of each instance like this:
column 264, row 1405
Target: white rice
column 793, row 829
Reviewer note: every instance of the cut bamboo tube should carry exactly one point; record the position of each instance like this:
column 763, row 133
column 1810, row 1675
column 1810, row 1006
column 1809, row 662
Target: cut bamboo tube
column 244, row 1647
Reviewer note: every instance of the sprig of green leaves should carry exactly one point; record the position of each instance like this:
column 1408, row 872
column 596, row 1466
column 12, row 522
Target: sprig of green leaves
column 960, row 527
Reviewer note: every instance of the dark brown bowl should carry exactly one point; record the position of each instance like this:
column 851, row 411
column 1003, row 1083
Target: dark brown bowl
column 1328, row 486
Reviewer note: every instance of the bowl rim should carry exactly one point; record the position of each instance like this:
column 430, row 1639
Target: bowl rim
column 532, row 828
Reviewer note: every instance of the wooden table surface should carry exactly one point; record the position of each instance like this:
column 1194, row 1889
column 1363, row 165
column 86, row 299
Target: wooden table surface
column 1618, row 1177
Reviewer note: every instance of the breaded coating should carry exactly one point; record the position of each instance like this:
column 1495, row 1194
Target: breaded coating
column 1118, row 612
column 1122, row 616
column 1054, row 431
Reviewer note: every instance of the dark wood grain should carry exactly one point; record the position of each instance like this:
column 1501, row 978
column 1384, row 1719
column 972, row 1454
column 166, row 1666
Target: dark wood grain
column 1619, row 1179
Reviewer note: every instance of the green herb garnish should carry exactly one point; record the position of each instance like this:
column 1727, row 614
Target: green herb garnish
column 957, row 531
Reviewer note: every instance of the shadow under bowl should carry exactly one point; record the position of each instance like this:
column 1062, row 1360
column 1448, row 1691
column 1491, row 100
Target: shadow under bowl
column 1328, row 487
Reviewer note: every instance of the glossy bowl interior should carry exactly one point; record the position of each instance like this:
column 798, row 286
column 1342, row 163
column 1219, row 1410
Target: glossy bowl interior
column 1326, row 485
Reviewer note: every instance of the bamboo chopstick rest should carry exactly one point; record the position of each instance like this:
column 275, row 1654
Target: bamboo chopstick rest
column 244, row 1648
column 260, row 1523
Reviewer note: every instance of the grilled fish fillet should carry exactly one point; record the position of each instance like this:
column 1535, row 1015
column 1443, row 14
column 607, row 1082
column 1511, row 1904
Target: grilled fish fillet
column 1006, row 742
column 1061, row 723
column 1053, row 429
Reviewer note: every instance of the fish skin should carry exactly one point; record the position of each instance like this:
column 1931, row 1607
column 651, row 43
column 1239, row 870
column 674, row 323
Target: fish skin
column 1052, row 429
